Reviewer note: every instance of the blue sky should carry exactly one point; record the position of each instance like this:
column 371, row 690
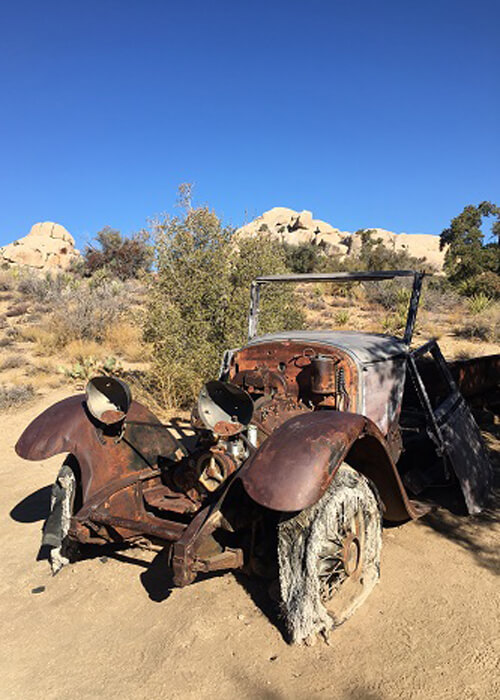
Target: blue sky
column 369, row 113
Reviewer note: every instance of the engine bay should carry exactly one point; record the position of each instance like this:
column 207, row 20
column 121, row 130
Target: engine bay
column 265, row 385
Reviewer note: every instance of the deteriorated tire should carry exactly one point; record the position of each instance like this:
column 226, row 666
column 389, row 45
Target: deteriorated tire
column 329, row 556
column 55, row 530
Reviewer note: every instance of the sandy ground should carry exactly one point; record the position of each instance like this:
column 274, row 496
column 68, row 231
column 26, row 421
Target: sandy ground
column 111, row 628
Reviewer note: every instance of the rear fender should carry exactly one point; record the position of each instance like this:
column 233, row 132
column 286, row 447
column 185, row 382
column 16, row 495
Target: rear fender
column 295, row 465
column 67, row 427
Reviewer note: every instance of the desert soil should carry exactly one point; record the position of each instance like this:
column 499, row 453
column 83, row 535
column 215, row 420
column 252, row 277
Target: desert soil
column 109, row 627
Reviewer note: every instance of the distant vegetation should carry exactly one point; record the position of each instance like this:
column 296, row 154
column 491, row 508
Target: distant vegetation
column 160, row 309
column 116, row 255
column 373, row 255
column 472, row 264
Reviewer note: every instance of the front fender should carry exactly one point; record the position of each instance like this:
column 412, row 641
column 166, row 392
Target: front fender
column 67, row 427
column 294, row 466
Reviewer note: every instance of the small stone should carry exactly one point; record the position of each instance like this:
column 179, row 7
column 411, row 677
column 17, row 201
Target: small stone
column 310, row 641
column 273, row 657
column 103, row 560
column 38, row 589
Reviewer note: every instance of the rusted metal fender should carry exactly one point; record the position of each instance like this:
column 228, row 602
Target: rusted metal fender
column 295, row 465
column 67, row 427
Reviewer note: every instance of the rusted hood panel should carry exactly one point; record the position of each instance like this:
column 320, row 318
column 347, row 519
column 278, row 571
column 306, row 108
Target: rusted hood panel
column 294, row 466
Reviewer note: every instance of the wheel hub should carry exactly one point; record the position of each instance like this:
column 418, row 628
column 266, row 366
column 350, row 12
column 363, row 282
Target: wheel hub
column 351, row 551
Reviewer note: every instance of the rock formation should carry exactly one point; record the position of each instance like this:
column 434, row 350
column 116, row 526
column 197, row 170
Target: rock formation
column 48, row 247
column 299, row 227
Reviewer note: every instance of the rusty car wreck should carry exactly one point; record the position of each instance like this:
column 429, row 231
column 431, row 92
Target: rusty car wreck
column 303, row 446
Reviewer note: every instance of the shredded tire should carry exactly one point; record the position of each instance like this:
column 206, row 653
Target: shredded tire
column 300, row 539
column 56, row 528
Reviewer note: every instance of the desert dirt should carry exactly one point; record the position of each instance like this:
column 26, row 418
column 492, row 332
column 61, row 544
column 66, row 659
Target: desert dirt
column 110, row 627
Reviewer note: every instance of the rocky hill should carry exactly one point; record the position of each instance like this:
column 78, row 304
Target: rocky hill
column 300, row 227
column 47, row 247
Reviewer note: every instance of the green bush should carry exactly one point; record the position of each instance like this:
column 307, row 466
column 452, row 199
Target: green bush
column 487, row 284
column 342, row 317
column 305, row 257
column 374, row 255
column 199, row 298
column 468, row 255
column 479, row 303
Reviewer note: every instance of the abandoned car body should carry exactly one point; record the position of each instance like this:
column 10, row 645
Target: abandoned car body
column 303, row 446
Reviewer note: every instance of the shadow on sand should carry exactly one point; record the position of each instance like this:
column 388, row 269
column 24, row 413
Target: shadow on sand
column 477, row 534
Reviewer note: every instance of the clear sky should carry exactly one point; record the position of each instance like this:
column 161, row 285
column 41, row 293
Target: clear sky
column 367, row 112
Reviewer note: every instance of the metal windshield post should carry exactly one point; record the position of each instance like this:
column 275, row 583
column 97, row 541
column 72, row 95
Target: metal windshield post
column 253, row 316
column 413, row 307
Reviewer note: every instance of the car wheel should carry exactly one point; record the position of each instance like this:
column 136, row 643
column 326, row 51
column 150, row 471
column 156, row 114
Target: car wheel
column 329, row 556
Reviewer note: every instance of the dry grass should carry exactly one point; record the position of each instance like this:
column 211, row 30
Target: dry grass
column 76, row 349
column 483, row 321
column 45, row 342
column 125, row 339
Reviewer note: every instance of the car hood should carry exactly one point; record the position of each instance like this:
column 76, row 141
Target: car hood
column 366, row 347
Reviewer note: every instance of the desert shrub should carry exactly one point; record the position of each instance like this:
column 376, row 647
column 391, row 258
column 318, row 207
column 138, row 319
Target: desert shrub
column 438, row 294
column 390, row 294
column 305, row 257
column 44, row 289
column 477, row 328
column 13, row 396
column 82, row 312
column 87, row 312
column 7, row 281
column 17, row 310
column 487, row 284
column 198, row 302
column 342, row 317
column 120, row 256
column 12, row 362
column 374, row 255
column 479, row 303
column 315, row 304
column 392, row 323
column 484, row 321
